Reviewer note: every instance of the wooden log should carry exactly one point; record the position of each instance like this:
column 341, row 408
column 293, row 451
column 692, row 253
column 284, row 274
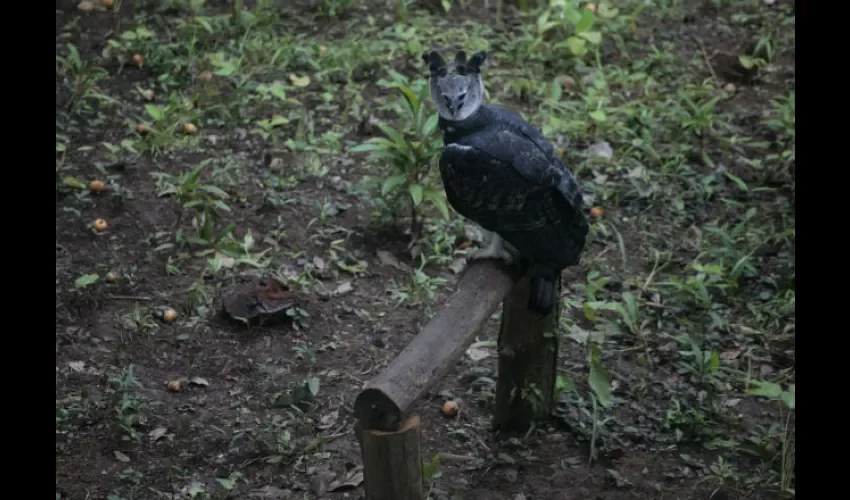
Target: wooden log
column 438, row 347
column 528, row 357
column 392, row 462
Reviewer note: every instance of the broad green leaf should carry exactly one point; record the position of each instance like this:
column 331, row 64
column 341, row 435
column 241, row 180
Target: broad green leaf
column 576, row 46
column 598, row 379
column 155, row 112
column 392, row 182
column 86, row 280
column 572, row 14
column 431, row 125
column 606, row 11
column 765, row 389
column 586, row 21
column 437, row 197
column 410, row 98
column 214, row 190
column 415, row 193
column 740, row 182
column 593, row 37
column 598, row 115
column 557, row 88
column 370, row 145
column 394, row 135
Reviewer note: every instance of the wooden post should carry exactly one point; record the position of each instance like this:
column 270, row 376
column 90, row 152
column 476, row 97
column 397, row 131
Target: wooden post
column 437, row 348
column 528, row 357
column 392, row 462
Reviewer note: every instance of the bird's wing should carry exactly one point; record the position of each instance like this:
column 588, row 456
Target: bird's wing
column 526, row 157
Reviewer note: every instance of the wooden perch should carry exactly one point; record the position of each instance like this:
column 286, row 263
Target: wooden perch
column 528, row 358
column 440, row 344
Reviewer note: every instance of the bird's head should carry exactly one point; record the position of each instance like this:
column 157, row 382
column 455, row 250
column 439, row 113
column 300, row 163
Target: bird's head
column 456, row 87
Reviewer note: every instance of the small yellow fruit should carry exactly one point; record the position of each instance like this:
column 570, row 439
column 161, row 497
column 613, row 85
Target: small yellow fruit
column 111, row 277
column 591, row 7
column 96, row 186
column 205, row 76
column 143, row 129
column 108, row 3
column 100, row 225
column 450, row 408
column 137, row 60
column 190, row 128
column 86, row 6
column 597, row 211
column 169, row 315
column 173, row 385
column 148, row 95
column 770, row 448
column 323, row 51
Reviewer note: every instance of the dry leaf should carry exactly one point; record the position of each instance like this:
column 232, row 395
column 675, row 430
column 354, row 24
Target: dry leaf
column 157, row 433
column 77, row 366
column 120, row 456
column 343, row 288
column 388, row 259
column 458, row 265
column 86, row 6
column 199, row 381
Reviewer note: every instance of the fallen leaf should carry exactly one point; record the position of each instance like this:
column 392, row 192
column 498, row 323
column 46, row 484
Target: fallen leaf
column 120, row 456
column 730, row 354
column 86, row 6
column 388, row 259
column 319, row 263
column 77, row 366
column 226, row 261
column 458, row 265
column 299, row 81
column 157, row 433
column 353, row 479
column 199, row 381
column 343, row 288
column 600, row 150
column 328, row 420
column 477, row 353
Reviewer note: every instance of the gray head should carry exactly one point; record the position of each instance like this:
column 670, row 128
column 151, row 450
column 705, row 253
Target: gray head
column 456, row 87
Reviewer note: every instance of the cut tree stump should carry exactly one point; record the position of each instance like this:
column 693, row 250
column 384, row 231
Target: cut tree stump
column 400, row 449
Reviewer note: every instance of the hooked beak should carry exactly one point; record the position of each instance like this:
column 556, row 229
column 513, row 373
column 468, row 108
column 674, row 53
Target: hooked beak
column 454, row 105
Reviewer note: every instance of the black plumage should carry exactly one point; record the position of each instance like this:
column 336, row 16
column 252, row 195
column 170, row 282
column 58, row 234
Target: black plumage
column 500, row 172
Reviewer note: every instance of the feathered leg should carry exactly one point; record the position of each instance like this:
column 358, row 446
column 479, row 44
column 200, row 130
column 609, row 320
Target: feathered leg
column 544, row 289
column 498, row 248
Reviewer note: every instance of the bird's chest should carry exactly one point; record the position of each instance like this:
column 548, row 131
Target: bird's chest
column 473, row 185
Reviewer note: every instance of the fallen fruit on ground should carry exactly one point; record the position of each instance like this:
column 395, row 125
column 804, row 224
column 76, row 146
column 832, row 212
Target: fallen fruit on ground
column 111, row 277
column 597, row 211
column 100, row 225
column 173, row 385
column 143, row 129
column 86, row 6
column 108, row 3
column 137, row 60
column 190, row 128
column 96, row 186
column 450, row 408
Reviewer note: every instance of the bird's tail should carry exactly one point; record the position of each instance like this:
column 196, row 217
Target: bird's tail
column 544, row 292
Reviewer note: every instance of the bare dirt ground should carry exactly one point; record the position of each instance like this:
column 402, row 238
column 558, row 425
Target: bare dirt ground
column 686, row 288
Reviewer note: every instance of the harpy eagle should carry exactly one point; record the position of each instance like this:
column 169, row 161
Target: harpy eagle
column 501, row 173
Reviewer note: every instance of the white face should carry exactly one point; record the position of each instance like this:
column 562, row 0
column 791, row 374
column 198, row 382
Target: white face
column 456, row 88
